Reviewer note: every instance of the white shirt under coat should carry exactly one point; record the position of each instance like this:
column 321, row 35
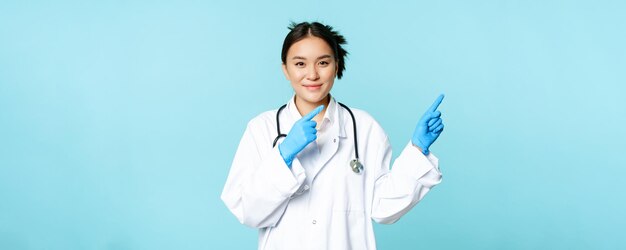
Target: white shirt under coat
column 320, row 203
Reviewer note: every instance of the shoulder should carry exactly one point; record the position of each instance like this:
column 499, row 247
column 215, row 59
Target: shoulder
column 262, row 128
column 363, row 116
column 263, row 119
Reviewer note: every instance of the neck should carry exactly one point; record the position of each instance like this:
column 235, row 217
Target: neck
column 305, row 107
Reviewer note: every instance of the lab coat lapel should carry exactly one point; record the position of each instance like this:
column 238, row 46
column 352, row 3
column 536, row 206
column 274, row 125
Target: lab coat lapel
column 336, row 137
column 310, row 155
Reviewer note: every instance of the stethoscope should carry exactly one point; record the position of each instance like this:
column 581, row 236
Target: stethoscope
column 355, row 164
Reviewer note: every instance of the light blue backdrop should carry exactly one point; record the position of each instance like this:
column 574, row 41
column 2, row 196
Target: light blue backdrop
column 119, row 120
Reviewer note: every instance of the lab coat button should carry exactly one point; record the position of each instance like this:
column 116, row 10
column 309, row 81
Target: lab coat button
column 334, row 140
column 314, row 222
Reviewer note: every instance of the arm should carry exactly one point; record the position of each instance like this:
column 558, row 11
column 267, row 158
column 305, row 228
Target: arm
column 260, row 184
column 411, row 177
column 414, row 173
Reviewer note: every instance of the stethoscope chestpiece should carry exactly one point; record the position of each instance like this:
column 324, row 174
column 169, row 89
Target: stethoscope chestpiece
column 356, row 166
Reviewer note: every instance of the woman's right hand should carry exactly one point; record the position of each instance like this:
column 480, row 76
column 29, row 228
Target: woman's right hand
column 301, row 134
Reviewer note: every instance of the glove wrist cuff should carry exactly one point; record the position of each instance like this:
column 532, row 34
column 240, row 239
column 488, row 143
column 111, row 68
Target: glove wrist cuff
column 288, row 160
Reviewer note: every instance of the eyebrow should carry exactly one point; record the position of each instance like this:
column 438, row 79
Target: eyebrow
column 304, row 58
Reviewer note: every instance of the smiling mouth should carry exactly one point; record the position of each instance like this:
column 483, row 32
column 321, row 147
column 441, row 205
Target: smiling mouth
column 313, row 86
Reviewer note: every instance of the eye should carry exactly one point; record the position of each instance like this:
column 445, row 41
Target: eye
column 299, row 64
column 324, row 63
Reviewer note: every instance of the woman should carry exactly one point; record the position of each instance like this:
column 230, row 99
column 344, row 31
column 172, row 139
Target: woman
column 319, row 187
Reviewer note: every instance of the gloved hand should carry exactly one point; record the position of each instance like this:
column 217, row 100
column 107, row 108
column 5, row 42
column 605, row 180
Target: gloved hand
column 301, row 134
column 429, row 127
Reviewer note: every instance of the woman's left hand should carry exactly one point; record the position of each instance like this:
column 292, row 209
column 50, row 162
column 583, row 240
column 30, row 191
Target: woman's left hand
column 429, row 127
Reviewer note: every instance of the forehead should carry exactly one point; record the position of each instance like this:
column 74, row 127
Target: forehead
column 309, row 47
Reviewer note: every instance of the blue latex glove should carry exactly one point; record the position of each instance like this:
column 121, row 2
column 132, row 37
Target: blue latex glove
column 429, row 127
column 301, row 134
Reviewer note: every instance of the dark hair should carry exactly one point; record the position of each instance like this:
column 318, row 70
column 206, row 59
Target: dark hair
column 333, row 38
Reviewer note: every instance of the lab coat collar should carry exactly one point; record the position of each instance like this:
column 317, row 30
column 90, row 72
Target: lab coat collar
column 331, row 115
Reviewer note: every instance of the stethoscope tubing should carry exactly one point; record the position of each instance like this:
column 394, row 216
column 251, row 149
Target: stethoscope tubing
column 356, row 147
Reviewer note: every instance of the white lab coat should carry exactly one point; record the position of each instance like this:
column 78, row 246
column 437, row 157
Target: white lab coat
column 320, row 203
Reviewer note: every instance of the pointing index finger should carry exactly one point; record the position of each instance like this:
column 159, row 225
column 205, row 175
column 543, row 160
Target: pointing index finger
column 436, row 103
column 313, row 113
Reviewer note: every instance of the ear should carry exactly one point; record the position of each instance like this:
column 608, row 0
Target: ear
column 284, row 66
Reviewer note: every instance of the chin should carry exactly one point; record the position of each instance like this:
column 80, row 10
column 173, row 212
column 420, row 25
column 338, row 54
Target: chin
column 313, row 97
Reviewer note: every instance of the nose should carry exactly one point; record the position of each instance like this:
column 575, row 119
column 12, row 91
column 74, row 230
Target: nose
column 312, row 74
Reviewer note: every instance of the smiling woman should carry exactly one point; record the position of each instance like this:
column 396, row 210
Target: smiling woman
column 311, row 69
column 312, row 57
column 307, row 192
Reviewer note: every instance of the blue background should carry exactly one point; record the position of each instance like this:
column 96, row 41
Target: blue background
column 119, row 119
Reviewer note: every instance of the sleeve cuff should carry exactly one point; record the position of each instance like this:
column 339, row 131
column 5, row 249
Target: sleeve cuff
column 414, row 163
